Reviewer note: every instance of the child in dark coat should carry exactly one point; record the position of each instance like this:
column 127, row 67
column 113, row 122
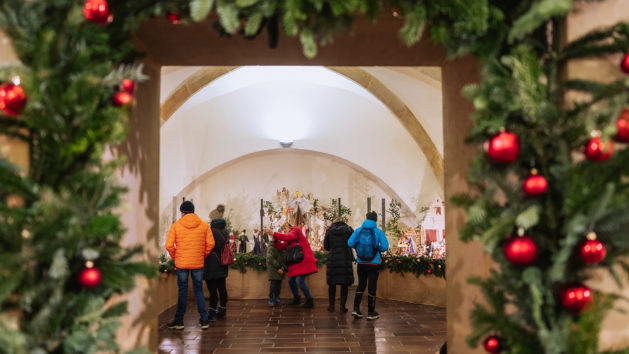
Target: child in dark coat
column 276, row 268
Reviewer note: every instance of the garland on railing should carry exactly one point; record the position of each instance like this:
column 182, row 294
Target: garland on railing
column 415, row 265
column 398, row 264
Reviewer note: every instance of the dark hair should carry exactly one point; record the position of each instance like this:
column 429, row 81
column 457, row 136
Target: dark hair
column 186, row 207
column 372, row 215
column 220, row 208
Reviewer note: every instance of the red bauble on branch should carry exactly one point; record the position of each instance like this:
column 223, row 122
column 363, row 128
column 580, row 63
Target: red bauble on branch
column 623, row 127
column 122, row 98
column 520, row 250
column 97, row 11
column 128, row 85
column 597, row 150
column 175, row 18
column 503, row 148
column 624, row 64
column 493, row 344
column 90, row 277
column 12, row 98
column 575, row 298
column 534, row 185
column 592, row 250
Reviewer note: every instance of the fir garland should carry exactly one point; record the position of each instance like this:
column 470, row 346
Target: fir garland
column 398, row 264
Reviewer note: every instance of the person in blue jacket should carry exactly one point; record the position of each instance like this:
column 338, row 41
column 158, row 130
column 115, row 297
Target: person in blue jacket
column 369, row 241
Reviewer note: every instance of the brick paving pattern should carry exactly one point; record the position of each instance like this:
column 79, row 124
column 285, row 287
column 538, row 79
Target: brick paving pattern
column 252, row 327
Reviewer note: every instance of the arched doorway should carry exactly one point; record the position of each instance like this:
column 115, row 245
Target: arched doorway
column 166, row 47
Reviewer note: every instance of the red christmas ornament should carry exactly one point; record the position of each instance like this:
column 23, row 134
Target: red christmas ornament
column 97, row 11
column 122, row 98
column 128, row 85
column 12, row 98
column 624, row 64
column 246, row 263
column 493, row 344
column 535, row 185
column 429, row 271
column 596, row 150
column 395, row 11
column 259, row 263
column 503, row 148
column 399, row 262
column 592, row 250
column 175, row 18
column 89, row 277
column 520, row 251
column 576, row 298
column 622, row 124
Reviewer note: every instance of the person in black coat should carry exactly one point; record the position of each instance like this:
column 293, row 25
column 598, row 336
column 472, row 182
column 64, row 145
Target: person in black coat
column 265, row 242
column 340, row 258
column 214, row 273
column 257, row 247
column 243, row 242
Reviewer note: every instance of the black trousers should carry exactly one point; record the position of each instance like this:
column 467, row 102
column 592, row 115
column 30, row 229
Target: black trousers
column 274, row 289
column 367, row 277
column 332, row 294
column 217, row 287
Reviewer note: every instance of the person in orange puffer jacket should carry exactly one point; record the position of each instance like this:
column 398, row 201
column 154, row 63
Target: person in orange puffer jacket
column 189, row 241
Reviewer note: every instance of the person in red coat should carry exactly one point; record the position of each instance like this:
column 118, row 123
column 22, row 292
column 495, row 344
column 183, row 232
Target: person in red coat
column 297, row 272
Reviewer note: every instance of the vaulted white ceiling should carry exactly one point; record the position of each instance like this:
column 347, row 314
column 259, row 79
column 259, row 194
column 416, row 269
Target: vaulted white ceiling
column 254, row 108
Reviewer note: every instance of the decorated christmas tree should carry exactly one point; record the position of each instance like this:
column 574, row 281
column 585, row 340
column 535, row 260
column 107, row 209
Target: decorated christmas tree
column 392, row 228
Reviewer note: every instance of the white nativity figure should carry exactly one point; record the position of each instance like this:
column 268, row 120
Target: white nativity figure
column 303, row 203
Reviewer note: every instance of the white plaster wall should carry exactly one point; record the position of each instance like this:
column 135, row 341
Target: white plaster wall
column 423, row 98
column 172, row 77
column 328, row 120
column 240, row 185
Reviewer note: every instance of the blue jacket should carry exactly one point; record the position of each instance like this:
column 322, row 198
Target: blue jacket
column 381, row 240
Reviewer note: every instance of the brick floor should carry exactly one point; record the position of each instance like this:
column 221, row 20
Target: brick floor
column 252, row 327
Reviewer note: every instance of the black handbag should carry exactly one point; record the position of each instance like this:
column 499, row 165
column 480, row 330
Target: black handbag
column 294, row 255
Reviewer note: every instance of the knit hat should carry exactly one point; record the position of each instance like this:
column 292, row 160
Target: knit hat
column 279, row 244
column 218, row 212
column 372, row 215
column 187, row 207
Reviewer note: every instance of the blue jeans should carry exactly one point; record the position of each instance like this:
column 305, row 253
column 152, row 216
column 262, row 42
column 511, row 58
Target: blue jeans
column 299, row 280
column 182, row 284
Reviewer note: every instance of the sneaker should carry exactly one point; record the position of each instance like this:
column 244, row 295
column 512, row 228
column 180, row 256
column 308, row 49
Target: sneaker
column 211, row 315
column 344, row 310
column 175, row 325
column 296, row 301
column 330, row 308
column 308, row 304
column 222, row 312
column 271, row 302
column 357, row 314
column 373, row 315
column 278, row 302
column 205, row 324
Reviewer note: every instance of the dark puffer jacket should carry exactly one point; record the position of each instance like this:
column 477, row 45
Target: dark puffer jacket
column 212, row 267
column 340, row 257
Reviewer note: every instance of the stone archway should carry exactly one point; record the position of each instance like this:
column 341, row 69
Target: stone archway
column 379, row 182
column 368, row 45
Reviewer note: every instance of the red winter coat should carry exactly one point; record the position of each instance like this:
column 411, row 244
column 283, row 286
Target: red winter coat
column 309, row 264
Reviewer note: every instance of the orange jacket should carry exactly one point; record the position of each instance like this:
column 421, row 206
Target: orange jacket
column 189, row 241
